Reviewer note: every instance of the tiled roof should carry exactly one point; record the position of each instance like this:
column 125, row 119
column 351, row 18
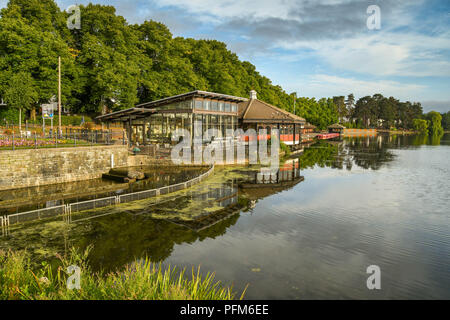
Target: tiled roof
column 256, row 110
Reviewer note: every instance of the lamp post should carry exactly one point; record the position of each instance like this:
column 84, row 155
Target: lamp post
column 59, row 96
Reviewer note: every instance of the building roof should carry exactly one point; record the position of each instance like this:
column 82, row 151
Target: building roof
column 255, row 110
column 123, row 115
column 197, row 93
column 336, row 126
column 309, row 126
column 250, row 110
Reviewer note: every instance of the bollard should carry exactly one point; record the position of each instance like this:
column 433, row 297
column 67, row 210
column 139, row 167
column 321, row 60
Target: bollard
column 35, row 140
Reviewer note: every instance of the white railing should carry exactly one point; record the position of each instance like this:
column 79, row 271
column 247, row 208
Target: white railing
column 66, row 210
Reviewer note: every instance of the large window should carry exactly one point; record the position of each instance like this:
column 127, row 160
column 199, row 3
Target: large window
column 234, row 107
column 206, row 104
column 214, row 105
column 227, row 107
column 198, row 104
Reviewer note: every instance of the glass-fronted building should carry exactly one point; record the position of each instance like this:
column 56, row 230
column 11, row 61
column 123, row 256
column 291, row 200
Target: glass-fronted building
column 154, row 122
column 197, row 112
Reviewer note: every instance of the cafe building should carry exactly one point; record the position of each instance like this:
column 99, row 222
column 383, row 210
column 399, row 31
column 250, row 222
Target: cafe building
column 197, row 111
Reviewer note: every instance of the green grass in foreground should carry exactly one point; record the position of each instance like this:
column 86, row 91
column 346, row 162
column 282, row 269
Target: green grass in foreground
column 142, row 281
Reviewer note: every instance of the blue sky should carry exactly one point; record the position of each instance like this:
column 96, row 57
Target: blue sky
column 320, row 48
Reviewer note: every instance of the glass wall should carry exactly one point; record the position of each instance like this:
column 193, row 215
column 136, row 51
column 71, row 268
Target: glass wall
column 159, row 127
column 180, row 105
column 214, row 105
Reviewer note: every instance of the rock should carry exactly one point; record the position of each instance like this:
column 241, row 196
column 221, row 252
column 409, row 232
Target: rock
column 138, row 175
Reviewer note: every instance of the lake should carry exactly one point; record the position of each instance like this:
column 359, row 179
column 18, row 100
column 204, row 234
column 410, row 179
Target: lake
column 309, row 232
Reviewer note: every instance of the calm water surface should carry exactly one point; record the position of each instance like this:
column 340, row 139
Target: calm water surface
column 309, row 233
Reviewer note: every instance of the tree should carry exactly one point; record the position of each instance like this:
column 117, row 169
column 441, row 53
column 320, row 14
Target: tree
column 446, row 120
column 20, row 93
column 350, row 104
column 420, row 125
column 435, row 119
column 341, row 107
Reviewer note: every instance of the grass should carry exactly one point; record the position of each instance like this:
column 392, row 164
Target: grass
column 142, row 280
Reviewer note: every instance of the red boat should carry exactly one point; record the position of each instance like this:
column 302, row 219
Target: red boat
column 326, row 136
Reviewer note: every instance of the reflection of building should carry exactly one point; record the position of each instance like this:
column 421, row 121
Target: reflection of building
column 307, row 133
column 154, row 122
column 336, row 128
column 219, row 205
column 260, row 185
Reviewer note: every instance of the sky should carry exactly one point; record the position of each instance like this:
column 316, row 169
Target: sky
column 320, row 48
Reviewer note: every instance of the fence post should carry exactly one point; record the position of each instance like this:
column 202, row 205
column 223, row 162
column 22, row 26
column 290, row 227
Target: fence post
column 35, row 140
column 13, row 145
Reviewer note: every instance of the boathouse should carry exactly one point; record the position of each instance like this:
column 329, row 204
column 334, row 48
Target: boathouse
column 258, row 115
column 154, row 122
column 336, row 128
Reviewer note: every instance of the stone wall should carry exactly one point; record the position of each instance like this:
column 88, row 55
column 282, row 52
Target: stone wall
column 31, row 167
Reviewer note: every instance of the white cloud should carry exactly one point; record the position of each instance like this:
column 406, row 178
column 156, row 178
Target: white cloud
column 383, row 54
column 231, row 9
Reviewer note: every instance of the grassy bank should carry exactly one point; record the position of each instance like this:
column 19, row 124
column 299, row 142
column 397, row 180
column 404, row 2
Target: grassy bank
column 141, row 280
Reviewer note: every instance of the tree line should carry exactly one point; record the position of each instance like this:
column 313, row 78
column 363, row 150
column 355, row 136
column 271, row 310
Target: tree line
column 378, row 111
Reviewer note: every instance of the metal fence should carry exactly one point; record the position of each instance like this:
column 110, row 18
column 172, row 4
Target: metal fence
column 68, row 138
column 35, row 215
column 66, row 210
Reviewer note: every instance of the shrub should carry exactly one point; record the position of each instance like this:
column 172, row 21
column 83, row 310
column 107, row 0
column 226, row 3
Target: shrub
column 66, row 120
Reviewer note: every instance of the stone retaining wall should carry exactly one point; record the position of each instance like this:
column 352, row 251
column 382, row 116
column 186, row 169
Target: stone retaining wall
column 35, row 167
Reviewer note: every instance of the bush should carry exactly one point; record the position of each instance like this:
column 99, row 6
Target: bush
column 10, row 115
column 66, row 120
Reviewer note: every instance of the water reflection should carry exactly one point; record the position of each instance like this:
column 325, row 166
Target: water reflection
column 27, row 199
column 311, row 229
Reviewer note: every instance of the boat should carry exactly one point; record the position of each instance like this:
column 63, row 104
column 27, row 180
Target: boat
column 326, row 136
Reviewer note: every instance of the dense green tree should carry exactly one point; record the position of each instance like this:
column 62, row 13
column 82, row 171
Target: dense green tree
column 420, row 125
column 435, row 120
column 20, row 94
column 341, row 107
column 379, row 111
column 446, row 120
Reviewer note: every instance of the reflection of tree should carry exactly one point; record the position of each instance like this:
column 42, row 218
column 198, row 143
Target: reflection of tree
column 435, row 138
column 119, row 239
column 319, row 154
column 367, row 153
column 414, row 141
